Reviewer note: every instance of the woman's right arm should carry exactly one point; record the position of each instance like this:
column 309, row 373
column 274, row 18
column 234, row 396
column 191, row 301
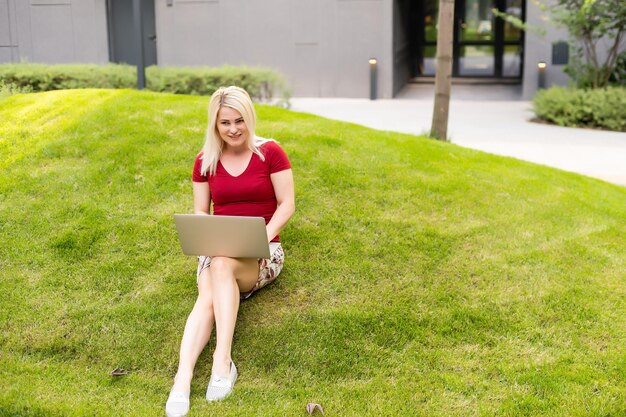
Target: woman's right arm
column 201, row 198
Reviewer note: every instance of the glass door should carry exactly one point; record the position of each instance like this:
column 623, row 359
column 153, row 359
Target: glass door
column 425, row 16
column 475, row 34
column 484, row 45
column 513, row 39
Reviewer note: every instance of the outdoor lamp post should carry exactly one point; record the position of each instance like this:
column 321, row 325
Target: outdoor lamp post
column 541, row 77
column 373, row 79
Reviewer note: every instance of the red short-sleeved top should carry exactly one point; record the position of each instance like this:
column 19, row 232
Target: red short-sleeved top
column 251, row 193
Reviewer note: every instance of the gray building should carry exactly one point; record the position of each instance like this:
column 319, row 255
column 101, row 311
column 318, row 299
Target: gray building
column 323, row 47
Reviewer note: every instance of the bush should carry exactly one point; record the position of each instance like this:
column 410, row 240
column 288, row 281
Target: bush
column 263, row 84
column 603, row 108
column 7, row 89
column 40, row 77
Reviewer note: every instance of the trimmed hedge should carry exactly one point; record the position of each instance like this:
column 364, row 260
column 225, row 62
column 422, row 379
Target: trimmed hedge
column 41, row 77
column 598, row 108
column 261, row 83
column 7, row 90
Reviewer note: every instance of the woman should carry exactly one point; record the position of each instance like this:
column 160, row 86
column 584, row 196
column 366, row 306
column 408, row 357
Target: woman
column 242, row 175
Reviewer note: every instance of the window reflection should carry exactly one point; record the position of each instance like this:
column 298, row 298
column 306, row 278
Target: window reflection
column 476, row 61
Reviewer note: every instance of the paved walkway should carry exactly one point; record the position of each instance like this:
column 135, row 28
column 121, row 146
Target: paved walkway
column 487, row 118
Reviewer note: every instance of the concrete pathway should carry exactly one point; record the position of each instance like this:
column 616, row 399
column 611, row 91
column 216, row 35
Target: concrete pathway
column 490, row 119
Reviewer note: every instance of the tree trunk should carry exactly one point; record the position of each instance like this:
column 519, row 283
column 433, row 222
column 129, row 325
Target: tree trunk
column 439, row 127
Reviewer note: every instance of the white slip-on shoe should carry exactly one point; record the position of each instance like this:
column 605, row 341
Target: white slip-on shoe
column 177, row 404
column 219, row 387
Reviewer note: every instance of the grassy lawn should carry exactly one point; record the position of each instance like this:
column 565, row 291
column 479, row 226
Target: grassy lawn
column 422, row 278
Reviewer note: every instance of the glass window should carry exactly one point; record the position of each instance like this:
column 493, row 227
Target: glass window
column 477, row 25
column 476, row 61
column 511, row 61
column 430, row 60
column 513, row 8
column 431, row 14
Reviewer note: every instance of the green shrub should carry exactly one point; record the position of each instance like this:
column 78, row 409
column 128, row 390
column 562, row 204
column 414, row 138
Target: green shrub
column 263, row 84
column 7, row 89
column 603, row 108
column 42, row 77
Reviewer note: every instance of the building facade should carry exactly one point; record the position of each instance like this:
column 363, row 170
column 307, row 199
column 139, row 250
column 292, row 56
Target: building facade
column 323, row 47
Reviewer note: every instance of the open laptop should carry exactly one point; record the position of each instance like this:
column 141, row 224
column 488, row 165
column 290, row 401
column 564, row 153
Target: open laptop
column 232, row 236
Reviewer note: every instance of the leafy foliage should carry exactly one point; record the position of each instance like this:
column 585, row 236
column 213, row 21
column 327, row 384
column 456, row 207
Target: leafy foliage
column 263, row 84
column 518, row 23
column 599, row 108
column 8, row 89
column 592, row 23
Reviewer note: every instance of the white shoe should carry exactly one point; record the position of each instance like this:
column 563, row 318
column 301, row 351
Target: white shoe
column 177, row 404
column 219, row 387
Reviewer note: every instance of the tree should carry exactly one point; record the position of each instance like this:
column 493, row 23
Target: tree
column 591, row 23
column 443, row 75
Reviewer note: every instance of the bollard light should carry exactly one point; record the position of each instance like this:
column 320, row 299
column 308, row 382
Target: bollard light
column 373, row 79
column 541, row 75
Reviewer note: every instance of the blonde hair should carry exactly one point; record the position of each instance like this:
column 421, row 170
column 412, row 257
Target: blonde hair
column 238, row 99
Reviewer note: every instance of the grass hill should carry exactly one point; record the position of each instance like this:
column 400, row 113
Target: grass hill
column 422, row 278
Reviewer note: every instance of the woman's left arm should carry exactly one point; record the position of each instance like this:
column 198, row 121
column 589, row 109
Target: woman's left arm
column 282, row 182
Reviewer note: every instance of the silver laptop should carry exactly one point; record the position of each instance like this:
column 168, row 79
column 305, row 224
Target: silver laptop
column 232, row 236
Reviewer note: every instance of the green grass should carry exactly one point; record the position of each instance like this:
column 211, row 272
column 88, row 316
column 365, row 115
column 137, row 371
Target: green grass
column 422, row 278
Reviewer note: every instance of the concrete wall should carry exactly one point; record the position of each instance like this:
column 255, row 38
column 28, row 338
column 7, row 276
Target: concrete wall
column 321, row 46
column 53, row 31
column 538, row 48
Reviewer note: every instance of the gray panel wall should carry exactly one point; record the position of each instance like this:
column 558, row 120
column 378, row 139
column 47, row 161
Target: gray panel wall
column 8, row 31
column 537, row 49
column 401, row 48
column 53, row 31
column 321, row 46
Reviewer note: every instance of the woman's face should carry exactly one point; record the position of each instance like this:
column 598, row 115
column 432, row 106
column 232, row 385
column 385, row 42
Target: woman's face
column 232, row 128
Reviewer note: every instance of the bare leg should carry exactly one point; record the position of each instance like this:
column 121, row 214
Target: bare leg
column 228, row 276
column 196, row 335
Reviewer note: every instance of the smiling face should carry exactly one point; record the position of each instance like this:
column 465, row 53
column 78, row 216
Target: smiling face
column 232, row 128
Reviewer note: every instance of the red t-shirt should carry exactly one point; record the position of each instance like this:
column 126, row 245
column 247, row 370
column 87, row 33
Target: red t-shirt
column 251, row 193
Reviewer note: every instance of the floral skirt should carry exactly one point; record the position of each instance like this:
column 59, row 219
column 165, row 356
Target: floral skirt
column 268, row 268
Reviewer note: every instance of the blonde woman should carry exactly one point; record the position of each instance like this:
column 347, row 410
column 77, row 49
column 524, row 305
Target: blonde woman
column 240, row 174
